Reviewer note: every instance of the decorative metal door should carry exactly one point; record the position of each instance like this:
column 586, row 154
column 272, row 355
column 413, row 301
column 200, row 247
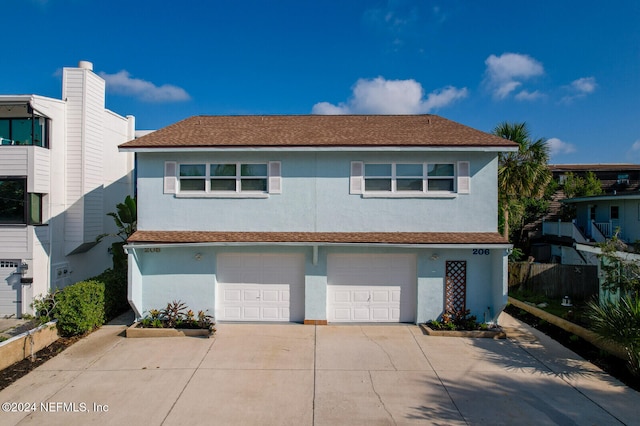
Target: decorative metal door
column 456, row 285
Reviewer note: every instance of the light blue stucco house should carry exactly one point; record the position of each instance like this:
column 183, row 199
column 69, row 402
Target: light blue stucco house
column 319, row 219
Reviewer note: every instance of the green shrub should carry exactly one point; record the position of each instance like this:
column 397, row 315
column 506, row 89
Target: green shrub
column 115, row 292
column 620, row 322
column 80, row 307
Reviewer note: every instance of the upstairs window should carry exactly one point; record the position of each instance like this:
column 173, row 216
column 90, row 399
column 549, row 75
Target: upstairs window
column 440, row 177
column 222, row 179
column 409, row 177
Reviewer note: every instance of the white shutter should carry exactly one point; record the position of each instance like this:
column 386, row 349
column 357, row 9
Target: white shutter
column 275, row 178
column 464, row 177
column 356, row 182
column 170, row 177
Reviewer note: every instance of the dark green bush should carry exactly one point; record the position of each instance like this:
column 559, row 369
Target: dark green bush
column 115, row 292
column 80, row 307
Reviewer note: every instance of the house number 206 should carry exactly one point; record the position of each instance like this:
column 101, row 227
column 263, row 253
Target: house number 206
column 481, row 251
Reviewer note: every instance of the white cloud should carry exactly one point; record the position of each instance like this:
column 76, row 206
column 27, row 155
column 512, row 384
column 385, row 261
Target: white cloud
column 381, row 96
column 122, row 83
column 556, row 147
column 505, row 73
column 636, row 146
column 584, row 85
column 580, row 88
column 525, row 95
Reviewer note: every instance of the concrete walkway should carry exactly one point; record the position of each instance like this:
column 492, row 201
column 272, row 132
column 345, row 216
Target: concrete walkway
column 266, row 374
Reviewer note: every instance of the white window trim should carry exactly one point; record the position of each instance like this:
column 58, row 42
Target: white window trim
column 273, row 180
column 394, row 193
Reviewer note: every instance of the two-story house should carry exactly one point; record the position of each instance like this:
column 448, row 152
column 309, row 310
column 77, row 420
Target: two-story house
column 319, row 219
column 60, row 173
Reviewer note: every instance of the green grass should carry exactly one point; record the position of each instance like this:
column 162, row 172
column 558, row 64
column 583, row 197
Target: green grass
column 578, row 313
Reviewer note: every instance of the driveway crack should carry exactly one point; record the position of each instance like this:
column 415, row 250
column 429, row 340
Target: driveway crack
column 381, row 348
column 373, row 388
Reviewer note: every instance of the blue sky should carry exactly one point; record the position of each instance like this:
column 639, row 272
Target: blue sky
column 570, row 69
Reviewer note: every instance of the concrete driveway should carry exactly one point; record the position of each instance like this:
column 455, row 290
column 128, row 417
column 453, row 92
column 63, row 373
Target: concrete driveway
column 266, row 374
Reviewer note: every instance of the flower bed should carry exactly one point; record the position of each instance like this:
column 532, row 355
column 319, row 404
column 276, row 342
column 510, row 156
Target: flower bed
column 173, row 321
column 462, row 324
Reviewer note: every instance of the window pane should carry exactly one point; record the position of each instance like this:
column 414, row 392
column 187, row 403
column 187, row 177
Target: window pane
column 223, row 185
column 377, row 184
column 35, row 209
column 409, row 184
column 377, row 169
column 253, row 185
column 223, row 170
column 440, row 170
column 21, row 131
column 12, row 194
column 440, row 185
column 191, row 184
column 253, row 169
column 192, row 170
column 4, row 130
column 409, row 170
column 38, row 132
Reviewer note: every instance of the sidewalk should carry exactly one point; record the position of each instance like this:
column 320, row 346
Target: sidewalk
column 278, row 374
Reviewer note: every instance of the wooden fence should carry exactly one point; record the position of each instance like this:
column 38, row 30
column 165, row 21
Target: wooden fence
column 555, row 280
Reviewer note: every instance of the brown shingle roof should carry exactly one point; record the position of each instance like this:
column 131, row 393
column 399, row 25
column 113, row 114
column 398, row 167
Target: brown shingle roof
column 318, row 237
column 317, row 131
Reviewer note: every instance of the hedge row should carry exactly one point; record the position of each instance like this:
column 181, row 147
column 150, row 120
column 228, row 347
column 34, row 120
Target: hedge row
column 86, row 305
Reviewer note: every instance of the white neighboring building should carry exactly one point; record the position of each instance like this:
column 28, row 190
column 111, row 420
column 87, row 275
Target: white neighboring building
column 60, row 174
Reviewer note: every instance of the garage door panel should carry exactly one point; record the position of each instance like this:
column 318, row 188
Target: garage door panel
column 271, row 287
column 376, row 288
column 382, row 296
column 381, row 314
column 360, row 314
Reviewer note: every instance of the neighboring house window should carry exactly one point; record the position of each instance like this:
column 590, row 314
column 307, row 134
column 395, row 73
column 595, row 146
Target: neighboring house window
column 615, row 212
column 16, row 205
column 222, row 178
column 24, row 131
column 409, row 178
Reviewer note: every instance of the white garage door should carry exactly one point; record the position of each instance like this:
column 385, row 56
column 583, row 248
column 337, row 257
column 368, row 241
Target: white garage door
column 371, row 288
column 260, row 287
column 10, row 289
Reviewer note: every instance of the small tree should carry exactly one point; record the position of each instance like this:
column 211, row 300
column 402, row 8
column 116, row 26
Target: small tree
column 126, row 219
column 619, row 321
column 621, row 268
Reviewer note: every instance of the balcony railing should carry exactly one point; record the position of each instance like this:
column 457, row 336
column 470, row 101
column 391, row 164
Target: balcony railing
column 604, row 228
column 563, row 229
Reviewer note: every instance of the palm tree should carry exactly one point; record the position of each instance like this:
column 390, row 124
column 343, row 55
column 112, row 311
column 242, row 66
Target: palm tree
column 524, row 173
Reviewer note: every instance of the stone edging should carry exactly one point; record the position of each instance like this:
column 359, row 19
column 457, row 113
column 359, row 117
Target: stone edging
column 490, row 334
column 26, row 344
column 137, row 332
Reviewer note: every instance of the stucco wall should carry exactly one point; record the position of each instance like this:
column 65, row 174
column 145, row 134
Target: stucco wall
column 188, row 273
column 315, row 197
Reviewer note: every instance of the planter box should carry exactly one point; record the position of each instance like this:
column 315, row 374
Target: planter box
column 135, row 331
column 24, row 345
column 488, row 334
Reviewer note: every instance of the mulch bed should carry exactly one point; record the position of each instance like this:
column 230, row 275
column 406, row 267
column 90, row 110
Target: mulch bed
column 612, row 365
column 21, row 368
